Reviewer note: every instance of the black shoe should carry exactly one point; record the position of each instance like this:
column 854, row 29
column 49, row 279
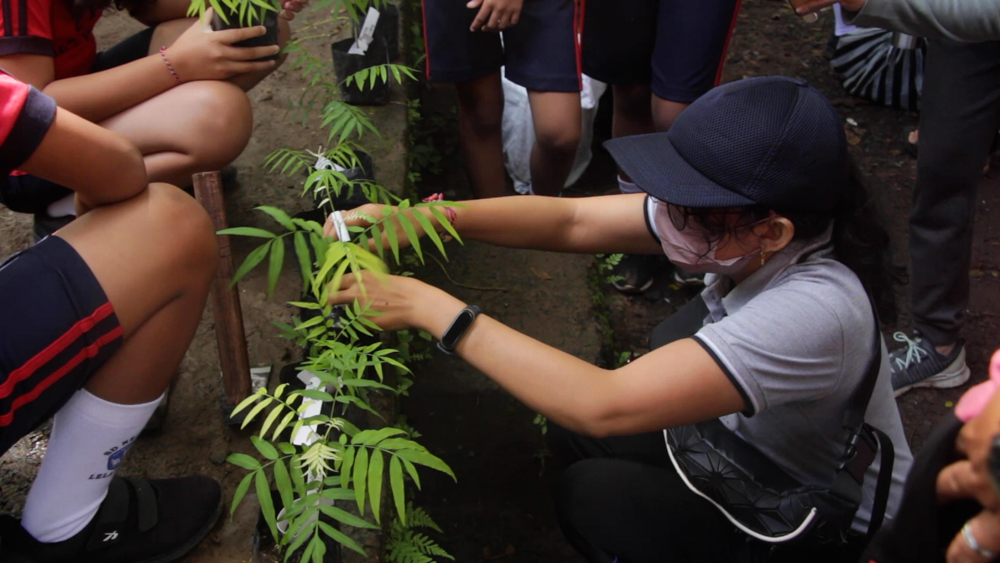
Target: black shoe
column 683, row 278
column 634, row 273
column 140, row 521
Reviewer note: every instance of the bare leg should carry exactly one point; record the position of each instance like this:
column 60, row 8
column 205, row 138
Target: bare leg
column 633, row 113
column 480, row 113
column 168, row 32
column 194, row 127
column 666, row 112
column 155, row 256
column 557, row 117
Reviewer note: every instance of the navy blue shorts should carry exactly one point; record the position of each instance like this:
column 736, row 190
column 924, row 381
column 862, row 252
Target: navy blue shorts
column 57, row 328
column 677, row 46
column 539, row 53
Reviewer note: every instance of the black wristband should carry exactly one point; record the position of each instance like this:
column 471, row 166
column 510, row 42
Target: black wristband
column 452, row 336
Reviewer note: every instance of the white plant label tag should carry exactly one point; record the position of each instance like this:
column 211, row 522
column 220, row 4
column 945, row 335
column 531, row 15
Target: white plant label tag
column 366, row 34
column 307, row 434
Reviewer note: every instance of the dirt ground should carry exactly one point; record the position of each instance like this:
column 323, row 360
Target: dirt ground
column 500, row 509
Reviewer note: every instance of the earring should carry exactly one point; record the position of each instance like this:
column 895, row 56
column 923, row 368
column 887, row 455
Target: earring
column 763, row 257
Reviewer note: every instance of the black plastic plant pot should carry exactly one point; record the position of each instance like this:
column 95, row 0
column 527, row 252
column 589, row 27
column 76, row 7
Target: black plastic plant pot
column 270, row 23
column 346, row 64
column 387, row 28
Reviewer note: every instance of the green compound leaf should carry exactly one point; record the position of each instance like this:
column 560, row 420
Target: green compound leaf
column 264, row 447
column 361, row 477
column 375, row 467
column 255, row 257
column 241, row 491
column 274, row 267
column 398, row 486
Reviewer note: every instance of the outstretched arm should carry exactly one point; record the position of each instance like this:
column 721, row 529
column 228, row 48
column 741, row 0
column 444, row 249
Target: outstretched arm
column 961, row 20
column 607, row 224
column 677, row 384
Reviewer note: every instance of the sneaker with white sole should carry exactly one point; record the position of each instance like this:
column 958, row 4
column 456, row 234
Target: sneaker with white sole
column 918, row 364
column 140, row 521
column 634, row 273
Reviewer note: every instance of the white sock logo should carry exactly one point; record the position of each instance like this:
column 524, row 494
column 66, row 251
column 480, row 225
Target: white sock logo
column 111, row 536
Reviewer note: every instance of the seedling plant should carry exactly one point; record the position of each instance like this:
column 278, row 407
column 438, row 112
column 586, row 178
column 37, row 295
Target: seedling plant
column 322, row 465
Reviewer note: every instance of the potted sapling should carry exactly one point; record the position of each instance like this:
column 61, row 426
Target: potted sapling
column 229, row 14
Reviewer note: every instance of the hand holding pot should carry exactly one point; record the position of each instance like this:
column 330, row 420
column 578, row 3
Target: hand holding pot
column 399, row 302
column 203, row 54
column 495, row 15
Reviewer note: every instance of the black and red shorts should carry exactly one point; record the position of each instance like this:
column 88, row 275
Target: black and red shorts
column 539, row 53
column 677, row 46
column 57, row 328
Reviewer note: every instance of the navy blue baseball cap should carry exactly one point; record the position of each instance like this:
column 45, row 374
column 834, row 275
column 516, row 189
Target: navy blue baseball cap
column 772, row 141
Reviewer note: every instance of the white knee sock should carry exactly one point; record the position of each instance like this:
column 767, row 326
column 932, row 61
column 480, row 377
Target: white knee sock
column 64, row 207
column 89, row 439
column 627, row 187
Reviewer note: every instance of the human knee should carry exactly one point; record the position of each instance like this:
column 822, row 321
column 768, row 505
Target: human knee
column 633, row 100
column 223, row 122
column 558, row 140
column 183, row 225
column 481, row 113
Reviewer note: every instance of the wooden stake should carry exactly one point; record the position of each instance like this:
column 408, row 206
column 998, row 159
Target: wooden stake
column 225, row 300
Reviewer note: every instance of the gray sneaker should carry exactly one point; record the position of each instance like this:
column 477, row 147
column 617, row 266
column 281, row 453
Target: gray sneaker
column 918, row 364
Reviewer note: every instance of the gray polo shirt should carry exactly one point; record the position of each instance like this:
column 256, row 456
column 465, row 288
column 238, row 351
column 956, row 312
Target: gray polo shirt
column 796, row 338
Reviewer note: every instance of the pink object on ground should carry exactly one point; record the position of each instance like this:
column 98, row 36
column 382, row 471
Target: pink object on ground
column 974, row 400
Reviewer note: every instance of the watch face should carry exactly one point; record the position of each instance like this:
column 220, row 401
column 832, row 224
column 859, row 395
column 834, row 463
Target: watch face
column 462, row 323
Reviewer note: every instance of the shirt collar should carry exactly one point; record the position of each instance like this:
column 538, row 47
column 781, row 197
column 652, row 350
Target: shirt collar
column 723, row 298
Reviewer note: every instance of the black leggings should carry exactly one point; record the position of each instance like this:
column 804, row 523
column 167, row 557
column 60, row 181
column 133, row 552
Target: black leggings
column 620, row 499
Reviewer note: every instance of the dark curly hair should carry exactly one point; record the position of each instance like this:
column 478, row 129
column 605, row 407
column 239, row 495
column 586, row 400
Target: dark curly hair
column 859, row 238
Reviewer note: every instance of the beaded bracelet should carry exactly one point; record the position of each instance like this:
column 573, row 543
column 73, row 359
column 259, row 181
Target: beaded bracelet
column 448, row 211
column 170, row 67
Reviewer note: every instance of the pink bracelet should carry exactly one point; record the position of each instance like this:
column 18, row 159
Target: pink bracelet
column 448, row 211
column 170, row 67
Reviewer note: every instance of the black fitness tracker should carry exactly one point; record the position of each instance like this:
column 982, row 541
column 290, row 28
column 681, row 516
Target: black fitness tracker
column 458, row 329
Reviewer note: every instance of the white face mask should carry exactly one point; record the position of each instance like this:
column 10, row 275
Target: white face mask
column 689, row 250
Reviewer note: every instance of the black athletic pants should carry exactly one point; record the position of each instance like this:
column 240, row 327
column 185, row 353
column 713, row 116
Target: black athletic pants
column 960, row 115
column 621, row 499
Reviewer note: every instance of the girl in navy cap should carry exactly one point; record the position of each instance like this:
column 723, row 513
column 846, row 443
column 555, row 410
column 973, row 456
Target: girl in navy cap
column 752, row 185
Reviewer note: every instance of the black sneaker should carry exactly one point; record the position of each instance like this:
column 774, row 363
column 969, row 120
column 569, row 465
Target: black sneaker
column 634, row 273
column 140, row 521
column 918, row 364
column 685, row 279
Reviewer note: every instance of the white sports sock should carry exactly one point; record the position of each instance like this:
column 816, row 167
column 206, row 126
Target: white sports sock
column 64, row 207
column 627, row 187
column 90, row 437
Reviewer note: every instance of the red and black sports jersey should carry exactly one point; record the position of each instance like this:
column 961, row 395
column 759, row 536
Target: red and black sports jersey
column 25, row 117
column 48, row 27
